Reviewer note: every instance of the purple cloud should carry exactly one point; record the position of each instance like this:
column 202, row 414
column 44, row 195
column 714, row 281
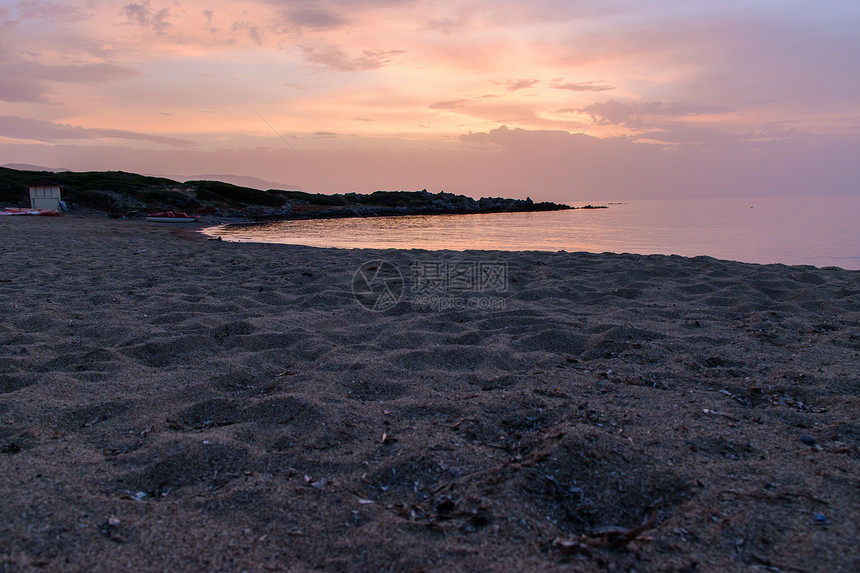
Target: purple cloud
column 517, row 138
column 20, row 89
column 255, row 33
column 28, row 81
column 514, row 85
column 314, row 18
column 452, row 104
column 137, row 13
column 614, row 112
column 42, row 10
column 582, row 86
column 143, row 15
column 47, row 131
column 443, row 25
column 334, row 57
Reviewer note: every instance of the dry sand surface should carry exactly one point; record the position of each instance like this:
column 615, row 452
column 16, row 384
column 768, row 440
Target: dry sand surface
column 169, row 403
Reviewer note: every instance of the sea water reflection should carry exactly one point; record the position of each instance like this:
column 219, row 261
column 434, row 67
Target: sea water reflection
column 797, row 230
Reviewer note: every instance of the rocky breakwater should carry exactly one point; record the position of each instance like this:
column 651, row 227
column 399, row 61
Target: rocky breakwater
column 388, row 203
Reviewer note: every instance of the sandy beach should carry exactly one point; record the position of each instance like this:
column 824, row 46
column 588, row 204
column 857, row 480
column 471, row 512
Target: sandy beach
column 171, row 403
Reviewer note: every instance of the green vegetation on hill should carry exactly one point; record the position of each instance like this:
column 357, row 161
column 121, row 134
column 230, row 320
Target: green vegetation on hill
column 119, row 190
column 107, row 190
column 219, row 192
column 13, row 183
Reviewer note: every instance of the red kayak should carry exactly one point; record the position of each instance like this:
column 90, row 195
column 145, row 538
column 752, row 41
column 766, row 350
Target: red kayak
column 171, row 217
column 18, row 211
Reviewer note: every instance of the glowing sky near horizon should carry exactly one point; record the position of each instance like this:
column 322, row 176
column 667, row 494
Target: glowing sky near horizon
column 560, row 100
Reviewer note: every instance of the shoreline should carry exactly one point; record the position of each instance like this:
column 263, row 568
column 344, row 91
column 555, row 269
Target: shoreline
column 211, row 228
column 178, row 403
column 198, row 229
column 257, row 214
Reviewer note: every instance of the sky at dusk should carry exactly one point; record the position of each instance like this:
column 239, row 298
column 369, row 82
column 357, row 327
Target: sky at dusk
column 559, row 100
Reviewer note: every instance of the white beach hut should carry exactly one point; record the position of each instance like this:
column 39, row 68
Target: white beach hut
column 44, row 194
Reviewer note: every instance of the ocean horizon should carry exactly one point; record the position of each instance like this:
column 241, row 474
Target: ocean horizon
column 817, row 231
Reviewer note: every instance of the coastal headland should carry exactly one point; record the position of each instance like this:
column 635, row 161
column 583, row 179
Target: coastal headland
column 129, row 195
column 173, row 403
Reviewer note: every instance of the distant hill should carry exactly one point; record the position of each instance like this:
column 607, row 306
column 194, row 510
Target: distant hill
column 239, row 180
column 28, row 167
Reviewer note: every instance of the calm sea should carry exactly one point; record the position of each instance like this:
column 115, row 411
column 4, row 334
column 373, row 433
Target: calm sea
column 820, row 231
